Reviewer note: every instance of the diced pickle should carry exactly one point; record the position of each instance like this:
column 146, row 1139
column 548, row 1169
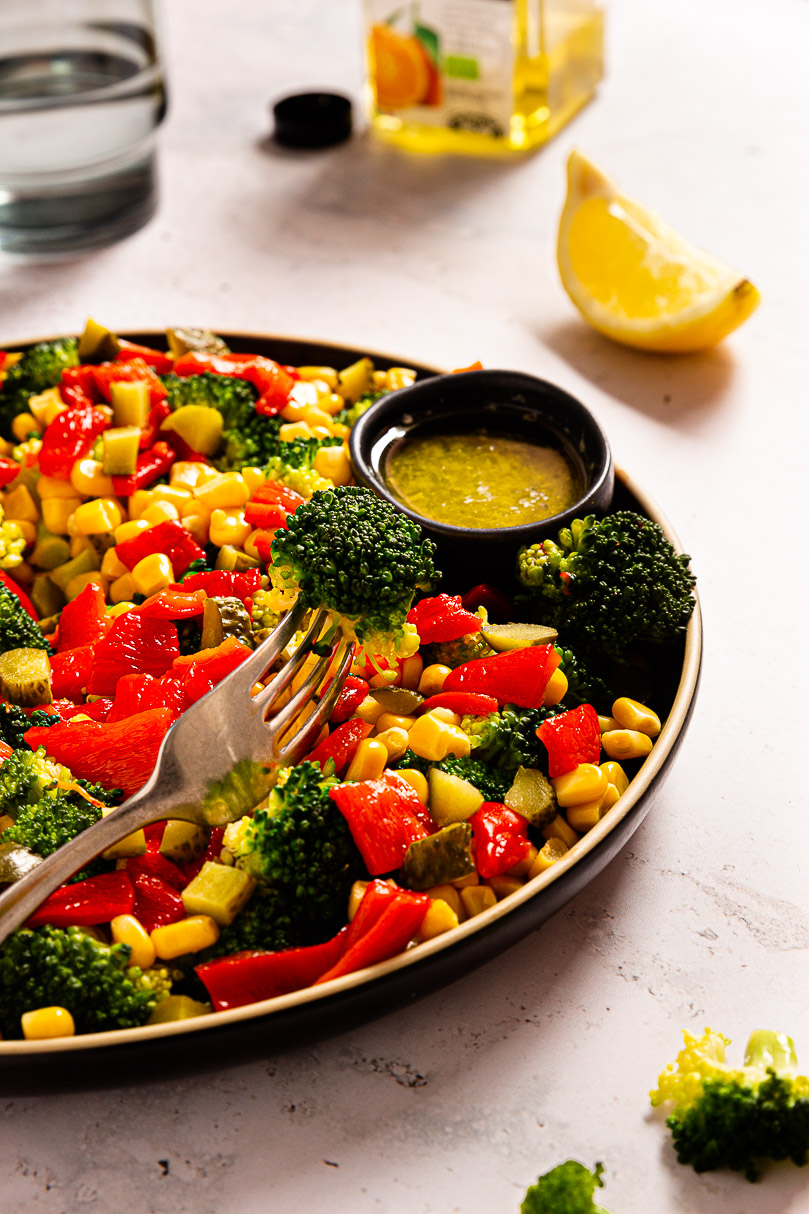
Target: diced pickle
column 452, row 799
column 183, row 840
column 399, row 700
column 120, row 446
column 197, row 341
column 16, row 862
column 356, row 380
column 46, row 596
column 231, row 557
column 503, row 637
column 531, row 794
column 222, row 618
column 178, row 1007
column 87, row 561
column 25, row 677
column 218, row 891
column 97, row 343
column 444, row 856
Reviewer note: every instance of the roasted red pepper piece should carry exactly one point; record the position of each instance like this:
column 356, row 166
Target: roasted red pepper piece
column 200, row 672
column 248, row 977
column 500, row 838
column 98, row 710
column 157, row 415
column 225, row 583
column 105, row 374
column 9, row 470
column 25, row 602
column 389, row 923
column 170, row 538
column 272, row 382
column 266, row 514
column 70, row 673
column 155, row 865
column 157, row 360
column 262, row 542
column 382, row 819
column 78, row 386
column 571, row 738
column 442, row 618
column 462, row 702
column 151, row 464
column 86, row 903
column 166, row 692
column 84, row 620
column 279, row 495
column 352, row 694
column 118, row 754
column 5, row 751
column 518, row 677
column 129, row 693
column 499, row 609
column 341, row 745
column 136, row 644
column 174, row 603
column 69, row 437
column 156, row 903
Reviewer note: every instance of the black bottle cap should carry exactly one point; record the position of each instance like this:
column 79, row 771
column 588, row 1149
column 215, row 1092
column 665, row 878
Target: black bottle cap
column 312, row 120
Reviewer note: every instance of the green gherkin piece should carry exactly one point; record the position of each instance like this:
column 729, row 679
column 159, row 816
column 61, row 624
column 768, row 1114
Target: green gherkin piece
column 441, row 857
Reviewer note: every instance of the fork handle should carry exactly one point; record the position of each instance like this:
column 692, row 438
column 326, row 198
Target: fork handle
column 24, row 896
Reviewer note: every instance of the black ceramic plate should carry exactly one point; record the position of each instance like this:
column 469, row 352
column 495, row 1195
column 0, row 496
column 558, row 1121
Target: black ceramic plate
column 263, row 1028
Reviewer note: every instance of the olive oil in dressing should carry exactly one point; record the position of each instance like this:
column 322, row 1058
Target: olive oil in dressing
column 480, row 479
column 480, row 76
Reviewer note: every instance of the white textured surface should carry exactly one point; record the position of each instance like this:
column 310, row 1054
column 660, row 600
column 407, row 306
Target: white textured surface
column 548, row 1052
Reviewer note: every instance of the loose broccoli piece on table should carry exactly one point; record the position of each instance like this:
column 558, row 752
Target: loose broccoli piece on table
column 726, row 1117
column 17, row 629
column 301, row 851
column 487, row 780
column 609, row 584
column 355, row 554
column 51, row 967
column 39, row 368
column 14, row 722
column 508, row 739
column 566, row 1189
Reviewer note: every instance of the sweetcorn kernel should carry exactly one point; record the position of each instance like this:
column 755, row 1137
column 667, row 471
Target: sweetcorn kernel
column 160, row 512
column 112, row 566
column 333, row 462
column 187, row 936
column 417, row 781
column 127, row 929
column 555, row 689
column 128, row 530
column 227, row 491
column 615, row 775
column 411, row 670
column 56, row 511
column 87, row 478
column 228, row 527
column 626, row 743
column 432, row 679
column 122, row 590
column 585, row 783
column 553, row 850
column 45, row 1022
column 54, row 486
column 631, row 714
column 559, row 829
column 151, row 574
column 20, row 506
column 440, row 918
column 95, row 517
column 394, row 740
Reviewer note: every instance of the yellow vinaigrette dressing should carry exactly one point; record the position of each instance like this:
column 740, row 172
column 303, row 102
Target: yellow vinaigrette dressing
column 480, row 479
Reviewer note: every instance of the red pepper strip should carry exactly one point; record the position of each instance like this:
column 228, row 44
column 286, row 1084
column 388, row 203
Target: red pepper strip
column 129, row 694
column 266, row 514
column 86, row 903
column 381, row 819
column 135, row 369
column 169, row 537
column 442, row 618
column 499, row 609
column 500, row 838
column 160, row 362
column 5, row 751
column 225, row 583
column 249, row 977
column 84, row 620
column 212, row 852
column 571, row 738
column 155, row 865
column 25, row 602
column 78, row 386
column 405, row 790
column 279, row 495
column 66, row 710
column 136, row 644
column 69, row 437
column 272, row 382
column 9, row 469
column 151, row 464
column 518, row 677
column 3, row 356
column 473, row 702
column 157, row 415
column 262, row 542
column 174, row 603
column 70, row 673
column 182, row 450
column 396, row 920
column 156, row 903
column 353, row 692
column 118, row 754
column 166, row 692
column 200, row 672
column 341, row 745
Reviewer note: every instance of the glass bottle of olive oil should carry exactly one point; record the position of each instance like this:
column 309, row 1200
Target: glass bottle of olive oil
column 480, row 76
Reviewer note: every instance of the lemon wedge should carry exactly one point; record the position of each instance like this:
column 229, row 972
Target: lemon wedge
column 637, row 280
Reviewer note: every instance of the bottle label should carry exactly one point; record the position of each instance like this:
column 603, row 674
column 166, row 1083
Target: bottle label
column 444, row 63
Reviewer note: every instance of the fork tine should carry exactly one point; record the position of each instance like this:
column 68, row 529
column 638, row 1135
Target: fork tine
column 290, row 668
column 286, row 715
column 301, row 741
column 268, row 652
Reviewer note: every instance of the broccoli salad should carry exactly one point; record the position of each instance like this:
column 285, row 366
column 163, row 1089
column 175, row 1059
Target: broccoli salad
column 160, row 510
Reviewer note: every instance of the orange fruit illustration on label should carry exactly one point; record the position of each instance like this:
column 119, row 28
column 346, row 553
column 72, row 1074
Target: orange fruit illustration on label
column 400, row 68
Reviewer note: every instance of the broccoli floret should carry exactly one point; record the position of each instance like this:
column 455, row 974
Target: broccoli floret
column 248, row 438
column 487, row 780
column 26, row 777
column 39, row 368
column 584, row 686
column 507, row 739
column 357, row 555
column 52, row 967
column 411, row 759
column 262, row 616
column 352, row 413
column 293, row 465
column 730, row 1118
column 566, row 1189
column 14, row 722
column 12, row 542
column 301, row 851
column 17, row 629
column 609, row 584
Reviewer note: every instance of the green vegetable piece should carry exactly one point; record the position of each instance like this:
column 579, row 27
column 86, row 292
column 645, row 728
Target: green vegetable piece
column 183, row 840
column 399, row 700
column 356, row 380
column 531, row 794
column 46, row 596
column 505, row 637
column 230, row 557
column 120, row 447
column 15, row 862
column 131, row 402
column 213, row 632
column 195, row 341
column 178, row 1007
column 198, row 425
column 97, row 344
column 452, row 799
column 219, row 891
column 131, row 845
column 50, row 550
column 25, row 677
column 87, row 561
column 444, row 856
column 566, row 1189
column 224, row 617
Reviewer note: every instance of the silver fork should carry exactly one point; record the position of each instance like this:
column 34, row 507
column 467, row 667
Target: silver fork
column 200, row 750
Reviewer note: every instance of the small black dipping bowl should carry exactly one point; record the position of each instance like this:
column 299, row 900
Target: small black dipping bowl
column 506, row 402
